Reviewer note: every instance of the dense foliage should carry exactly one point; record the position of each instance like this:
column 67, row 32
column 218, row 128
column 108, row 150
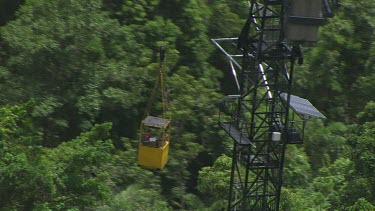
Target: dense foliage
column 76, row 76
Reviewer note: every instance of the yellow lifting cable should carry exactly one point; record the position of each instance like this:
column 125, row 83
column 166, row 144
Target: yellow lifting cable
column 155, row 131
column 159, row 79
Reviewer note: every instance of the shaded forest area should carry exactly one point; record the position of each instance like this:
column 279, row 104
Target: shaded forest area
column 76, row 75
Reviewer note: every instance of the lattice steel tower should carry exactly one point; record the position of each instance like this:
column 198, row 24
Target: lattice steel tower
column 263, row 117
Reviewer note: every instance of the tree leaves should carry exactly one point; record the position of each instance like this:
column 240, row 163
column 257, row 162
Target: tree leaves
column 82, row 63
column 340, row 61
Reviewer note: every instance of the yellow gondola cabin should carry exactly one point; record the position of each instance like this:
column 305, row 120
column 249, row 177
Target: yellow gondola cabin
column 154, row 142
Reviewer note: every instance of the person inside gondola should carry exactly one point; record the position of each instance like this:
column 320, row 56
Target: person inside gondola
column 149, row 140
column 146, row 138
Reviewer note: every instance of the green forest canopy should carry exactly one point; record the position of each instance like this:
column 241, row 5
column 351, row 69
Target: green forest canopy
column 75, row 79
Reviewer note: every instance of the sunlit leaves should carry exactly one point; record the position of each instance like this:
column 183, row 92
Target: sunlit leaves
column 72, row 59
column 361, row 204
column 138, row 198
column 363, row 152
column 136, row 12
column 223, row 22
column 332, row 180
column 340, row 60
column 297, row 169
column 213, row 181
column 81, row 66
column 68, row 176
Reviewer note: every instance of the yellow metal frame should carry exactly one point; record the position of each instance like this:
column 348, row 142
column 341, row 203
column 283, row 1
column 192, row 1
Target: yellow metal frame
column 153, row 157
